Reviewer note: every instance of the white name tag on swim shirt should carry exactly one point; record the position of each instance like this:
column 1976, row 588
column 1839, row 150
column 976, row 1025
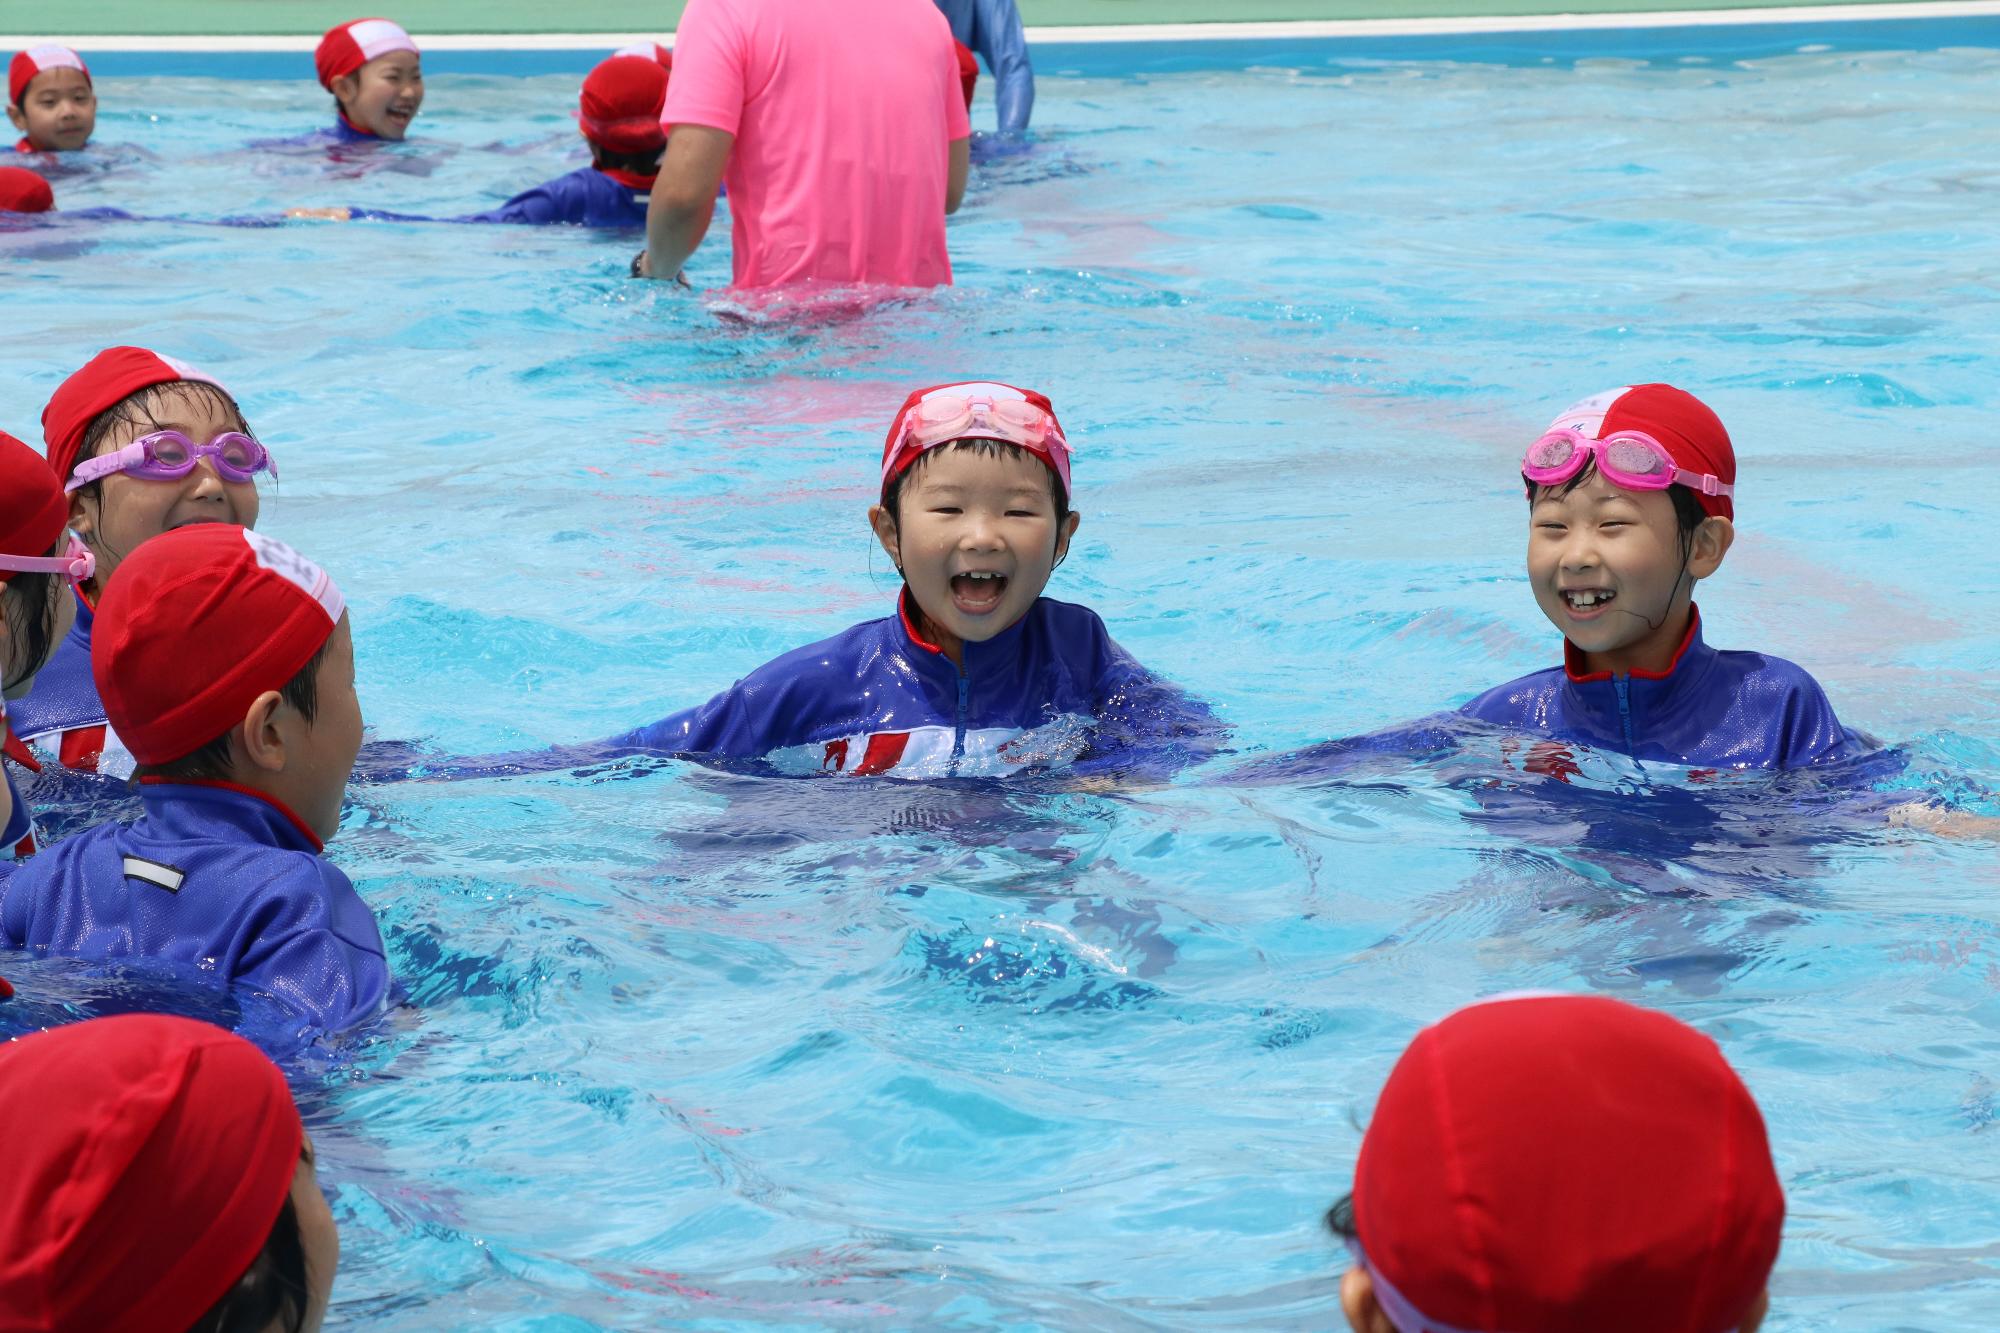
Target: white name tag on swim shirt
column 157, row 873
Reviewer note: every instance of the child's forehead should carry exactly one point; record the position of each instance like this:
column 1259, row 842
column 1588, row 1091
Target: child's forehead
column 62, row 78
column 979, row 463
column 180, row 405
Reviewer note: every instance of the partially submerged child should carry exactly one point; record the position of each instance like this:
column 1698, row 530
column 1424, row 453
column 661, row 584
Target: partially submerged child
column 40, row 561
column 376, row 76
column 976, row 673
column 619, row 115
column 226, row 663
column 144, row 443
column 1561, row 1164
column 158, row 1178
column 51, row 100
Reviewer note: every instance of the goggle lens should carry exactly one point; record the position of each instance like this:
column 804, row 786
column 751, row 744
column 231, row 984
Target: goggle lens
column 1633, row 459
column 1548, row 454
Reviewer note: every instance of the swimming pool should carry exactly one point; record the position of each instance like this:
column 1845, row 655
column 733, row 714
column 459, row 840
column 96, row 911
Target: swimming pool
column 732, row 1052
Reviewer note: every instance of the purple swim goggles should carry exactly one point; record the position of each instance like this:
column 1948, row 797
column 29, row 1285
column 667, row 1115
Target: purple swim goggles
column 168, row 455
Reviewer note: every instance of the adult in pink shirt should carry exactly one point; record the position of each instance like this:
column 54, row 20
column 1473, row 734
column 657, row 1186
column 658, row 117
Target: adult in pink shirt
column 839, row 128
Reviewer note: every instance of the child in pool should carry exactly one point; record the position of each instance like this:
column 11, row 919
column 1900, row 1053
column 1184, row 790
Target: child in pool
column 619, row 115
column 50, row 100
column 1629, row 506
column 143, row 443
column 40, row 560
column 1561, row 1163
column 158, row 1178
column 976, row 673
column 376, row 76
column 226, row 662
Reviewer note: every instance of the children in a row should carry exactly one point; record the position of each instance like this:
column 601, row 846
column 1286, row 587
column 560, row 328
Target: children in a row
column 1566, row 1164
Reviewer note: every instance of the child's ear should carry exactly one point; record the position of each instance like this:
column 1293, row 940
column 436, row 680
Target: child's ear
column 884, row 523
column 1712, row 541
column 345, row 87
column 82, row 514
column 262, row 738
column 18, row 116
column 1357, row 1301
column 1063, row 536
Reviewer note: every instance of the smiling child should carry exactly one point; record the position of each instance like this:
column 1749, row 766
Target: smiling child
column 976, row 673
column 376, row 76
column 50, row 100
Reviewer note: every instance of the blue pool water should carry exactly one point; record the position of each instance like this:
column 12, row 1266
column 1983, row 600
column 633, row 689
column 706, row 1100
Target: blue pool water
column 755, row 1053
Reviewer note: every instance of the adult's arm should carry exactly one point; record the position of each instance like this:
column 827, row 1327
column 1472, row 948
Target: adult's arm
column 959, row 169
column 683, row 198
column 997, row 35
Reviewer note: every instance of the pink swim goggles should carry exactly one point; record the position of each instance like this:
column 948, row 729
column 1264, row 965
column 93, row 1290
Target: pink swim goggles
column 76, row 562
column 1628, row 458
column 977, row 412
column 168, row 455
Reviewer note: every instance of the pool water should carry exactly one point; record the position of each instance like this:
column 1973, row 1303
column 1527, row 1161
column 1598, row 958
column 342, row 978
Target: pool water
column 727, row 1052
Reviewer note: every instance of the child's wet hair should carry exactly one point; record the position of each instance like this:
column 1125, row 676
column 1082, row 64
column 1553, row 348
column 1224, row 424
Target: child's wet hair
column 1340, row 1218
column 274, row 1290
column 645, row 162
column 211, row 762
column 32, row 605
column 893, row 496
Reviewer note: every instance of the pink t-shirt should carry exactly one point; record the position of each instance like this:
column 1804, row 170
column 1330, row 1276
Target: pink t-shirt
column 844, row 114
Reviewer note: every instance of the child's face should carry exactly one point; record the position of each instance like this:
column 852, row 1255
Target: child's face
column 126, row 510
column 1607, row 570
column 327, row 746
column 382, row 96
column 58, row 111
column 977, row 539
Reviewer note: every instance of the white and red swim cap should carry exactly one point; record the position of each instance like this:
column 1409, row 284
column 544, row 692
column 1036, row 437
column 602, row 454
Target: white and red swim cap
column 1566, row 1164
column 106, row 380
column 36, row 59
column 652, row 51
column 351, row 45
column 194, row 625
column 1689, row 429
column 619, row 108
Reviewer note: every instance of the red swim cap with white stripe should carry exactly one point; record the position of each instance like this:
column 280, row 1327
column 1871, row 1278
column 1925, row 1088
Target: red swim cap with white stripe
column 1688, row 427
column 353, row 44
column 36, row 59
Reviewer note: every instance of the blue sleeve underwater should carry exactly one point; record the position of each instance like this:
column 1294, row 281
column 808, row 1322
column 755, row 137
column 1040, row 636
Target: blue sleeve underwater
column 1147, row 728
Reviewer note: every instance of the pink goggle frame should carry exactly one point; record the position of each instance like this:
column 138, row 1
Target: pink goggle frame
column 977, row 412
column 1628, row 458
column 76, row 562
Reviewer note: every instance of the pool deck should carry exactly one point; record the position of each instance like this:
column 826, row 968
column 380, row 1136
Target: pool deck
column 264, row 24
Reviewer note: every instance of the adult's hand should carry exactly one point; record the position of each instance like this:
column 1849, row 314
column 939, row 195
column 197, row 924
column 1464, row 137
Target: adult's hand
column 683, row 198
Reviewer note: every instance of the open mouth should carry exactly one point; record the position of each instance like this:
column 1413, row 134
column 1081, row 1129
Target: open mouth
column 1585, row 603
column 978, row 593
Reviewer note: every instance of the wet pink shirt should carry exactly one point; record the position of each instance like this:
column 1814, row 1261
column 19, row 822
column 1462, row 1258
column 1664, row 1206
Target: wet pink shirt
column 844, row 114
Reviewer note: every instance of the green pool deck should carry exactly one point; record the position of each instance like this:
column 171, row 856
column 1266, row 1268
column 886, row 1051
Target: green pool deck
column 281, row 18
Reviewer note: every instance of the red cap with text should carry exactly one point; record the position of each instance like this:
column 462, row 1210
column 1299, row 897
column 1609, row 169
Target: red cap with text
column 1692, row 433
column 147, row 1160
column 194, row 625
column 35, row 60
column 106, row 380
column 33, row 509
column 1566, row 1164
column 22, row 191
column 621, row 102
column 349, row 46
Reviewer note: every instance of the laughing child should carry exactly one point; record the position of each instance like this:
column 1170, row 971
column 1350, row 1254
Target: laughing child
column 376, row 76
column 142, row 443
column 226, row 663
column 1629, row 506
column 50, row 100
column 975, row 674
column 40, row 560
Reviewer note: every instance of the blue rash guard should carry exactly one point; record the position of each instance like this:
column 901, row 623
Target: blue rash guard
column 217, row 879
column 586, row 197
column 1051, row 691
column 993, row 29
column 1708, row 709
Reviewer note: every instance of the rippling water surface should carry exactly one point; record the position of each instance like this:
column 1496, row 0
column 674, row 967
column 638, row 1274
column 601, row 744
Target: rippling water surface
column 738, row 1052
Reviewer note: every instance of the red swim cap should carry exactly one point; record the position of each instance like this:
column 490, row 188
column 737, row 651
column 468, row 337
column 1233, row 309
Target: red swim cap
column 22, row 191
column 106, row 380
column 1676, row 418
column 968, row 71
column 351, row 45
column 147, row 1160
column 33, row 509
column 1566, row 1164
column 194, row 625
column 27, row 64
column 620, row 105
column 899, row 451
